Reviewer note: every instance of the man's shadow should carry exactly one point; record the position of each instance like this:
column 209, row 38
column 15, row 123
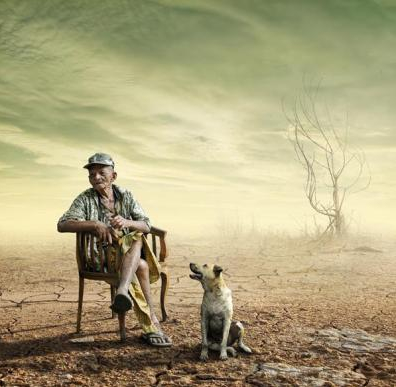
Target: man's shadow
column 91, row 356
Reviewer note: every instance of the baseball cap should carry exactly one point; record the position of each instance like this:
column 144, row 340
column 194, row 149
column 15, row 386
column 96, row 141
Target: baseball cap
column 100, row 158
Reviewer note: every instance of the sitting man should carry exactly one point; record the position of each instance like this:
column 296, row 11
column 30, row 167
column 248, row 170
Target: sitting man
column 113, row 216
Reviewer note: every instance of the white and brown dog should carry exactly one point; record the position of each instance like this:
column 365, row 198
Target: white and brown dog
column 218, row 330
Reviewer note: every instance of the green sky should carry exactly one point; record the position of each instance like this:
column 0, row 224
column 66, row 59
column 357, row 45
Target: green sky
column 187, row 97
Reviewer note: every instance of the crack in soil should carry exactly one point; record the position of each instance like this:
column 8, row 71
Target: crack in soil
column 11, row 324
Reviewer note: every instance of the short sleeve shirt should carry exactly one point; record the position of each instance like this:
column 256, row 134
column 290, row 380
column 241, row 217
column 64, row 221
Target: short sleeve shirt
column 87, row 206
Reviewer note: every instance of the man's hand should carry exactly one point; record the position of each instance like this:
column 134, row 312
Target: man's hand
column 103, row 232
column 118, row 222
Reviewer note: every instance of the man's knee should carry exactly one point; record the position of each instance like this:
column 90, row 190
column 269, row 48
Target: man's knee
column 138, row 242
column 143, row 267
column 135, row 248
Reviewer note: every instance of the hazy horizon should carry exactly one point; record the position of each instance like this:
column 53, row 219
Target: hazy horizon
column 187, row 98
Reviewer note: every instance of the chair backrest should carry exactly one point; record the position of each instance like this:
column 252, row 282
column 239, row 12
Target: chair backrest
column 88, row 246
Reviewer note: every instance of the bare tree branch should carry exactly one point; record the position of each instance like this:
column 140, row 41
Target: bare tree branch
column 323, row 149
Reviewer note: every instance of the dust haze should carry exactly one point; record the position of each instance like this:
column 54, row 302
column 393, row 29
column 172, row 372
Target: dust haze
column 192, row 101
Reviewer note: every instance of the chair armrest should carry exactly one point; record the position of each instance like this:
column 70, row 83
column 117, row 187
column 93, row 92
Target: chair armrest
column 161, row 234
column 158, row 232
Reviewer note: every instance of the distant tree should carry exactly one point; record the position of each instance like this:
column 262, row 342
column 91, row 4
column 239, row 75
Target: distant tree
column 333, row 169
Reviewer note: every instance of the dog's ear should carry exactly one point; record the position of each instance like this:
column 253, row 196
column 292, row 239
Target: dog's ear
column 217, row 270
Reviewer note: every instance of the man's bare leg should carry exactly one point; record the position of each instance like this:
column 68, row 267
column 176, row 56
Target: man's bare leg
column 122, row 301
column 144, row 279
column 143, row 276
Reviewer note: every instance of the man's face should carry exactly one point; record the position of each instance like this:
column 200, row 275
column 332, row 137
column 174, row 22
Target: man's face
column 101, row 176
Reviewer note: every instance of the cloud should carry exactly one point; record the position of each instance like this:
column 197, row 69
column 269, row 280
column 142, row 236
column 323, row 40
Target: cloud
column 187, row 96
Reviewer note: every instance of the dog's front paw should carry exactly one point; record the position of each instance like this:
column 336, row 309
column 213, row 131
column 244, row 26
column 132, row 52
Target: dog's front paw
column 223, row 355
column 204, row 355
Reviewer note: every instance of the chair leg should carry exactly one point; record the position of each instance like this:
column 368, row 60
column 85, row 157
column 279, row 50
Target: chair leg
column 164, row 292
column 80, row 302
column 121, row 321
column 112, row 294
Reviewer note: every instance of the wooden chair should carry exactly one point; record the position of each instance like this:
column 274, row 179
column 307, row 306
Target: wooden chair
column 85, row 248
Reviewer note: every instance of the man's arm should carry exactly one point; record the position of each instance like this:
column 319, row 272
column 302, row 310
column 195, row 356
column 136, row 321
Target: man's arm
column 138, row 220
column 139, row 225
column 141, row 222
column 94, row 226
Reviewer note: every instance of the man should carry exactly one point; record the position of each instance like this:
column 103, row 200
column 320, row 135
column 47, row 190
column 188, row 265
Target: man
column 112, row 214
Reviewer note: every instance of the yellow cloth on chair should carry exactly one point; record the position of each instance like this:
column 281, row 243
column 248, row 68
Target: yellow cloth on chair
column 140, row 306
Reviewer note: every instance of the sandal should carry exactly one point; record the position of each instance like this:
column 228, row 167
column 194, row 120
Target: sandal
column 121, row 303
column 157, row 339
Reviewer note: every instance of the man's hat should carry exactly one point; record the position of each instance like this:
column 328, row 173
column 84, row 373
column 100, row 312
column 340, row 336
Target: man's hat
column 101, row 159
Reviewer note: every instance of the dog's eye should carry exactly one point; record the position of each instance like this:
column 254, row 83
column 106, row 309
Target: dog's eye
column 205, row 265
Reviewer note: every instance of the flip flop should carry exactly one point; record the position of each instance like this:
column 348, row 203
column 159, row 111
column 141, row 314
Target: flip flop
column 157, row 339
column 121, row 303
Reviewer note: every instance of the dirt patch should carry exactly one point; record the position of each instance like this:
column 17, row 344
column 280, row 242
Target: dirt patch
column 312, row 317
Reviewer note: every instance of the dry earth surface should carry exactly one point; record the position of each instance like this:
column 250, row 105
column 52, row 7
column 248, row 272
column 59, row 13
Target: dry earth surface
column 316, row 314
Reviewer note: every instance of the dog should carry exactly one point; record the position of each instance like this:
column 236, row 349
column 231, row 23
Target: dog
column 218, row 330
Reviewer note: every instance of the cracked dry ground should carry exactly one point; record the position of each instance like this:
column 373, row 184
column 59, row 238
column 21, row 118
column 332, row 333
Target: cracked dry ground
column 320, row 316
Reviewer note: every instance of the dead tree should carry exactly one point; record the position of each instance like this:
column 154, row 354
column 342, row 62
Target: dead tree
column 333, row 169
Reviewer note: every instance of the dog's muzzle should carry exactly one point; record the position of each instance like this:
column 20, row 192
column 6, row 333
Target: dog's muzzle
column 197, row 274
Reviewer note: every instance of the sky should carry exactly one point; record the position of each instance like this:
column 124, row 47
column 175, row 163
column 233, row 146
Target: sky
column 190, row 98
